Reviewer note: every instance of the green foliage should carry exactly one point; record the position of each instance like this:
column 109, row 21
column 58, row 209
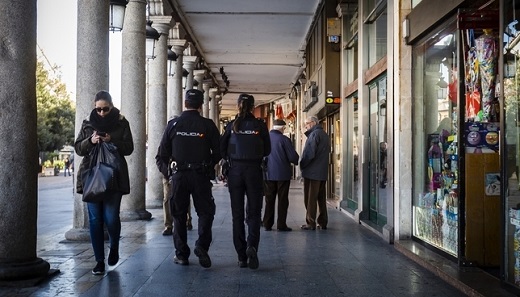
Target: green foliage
column 59, row 163
column 56, row 111
column 54, row 164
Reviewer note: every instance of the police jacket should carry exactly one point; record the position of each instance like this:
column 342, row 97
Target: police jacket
column 119, row 130
column 315, row 156
column 249, row 144
column 281, row 156
column 189, row 139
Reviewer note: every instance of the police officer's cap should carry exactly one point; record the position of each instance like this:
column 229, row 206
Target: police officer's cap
column 194, row 96
column 244, row 97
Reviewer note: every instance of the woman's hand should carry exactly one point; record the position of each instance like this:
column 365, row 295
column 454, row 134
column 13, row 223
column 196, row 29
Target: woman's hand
column 96, row 138
column 105, row 138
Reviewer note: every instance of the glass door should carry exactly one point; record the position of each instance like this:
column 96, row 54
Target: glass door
column 378, row 153
column 352, row 159
column 336, row 146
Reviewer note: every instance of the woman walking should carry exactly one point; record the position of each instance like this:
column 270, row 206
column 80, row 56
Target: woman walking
column 104, row 124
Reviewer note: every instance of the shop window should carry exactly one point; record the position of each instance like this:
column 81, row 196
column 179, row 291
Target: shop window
column 511, row 95
column 352, row 60
column 376, row 30
column 352, row 48
column 435, row 155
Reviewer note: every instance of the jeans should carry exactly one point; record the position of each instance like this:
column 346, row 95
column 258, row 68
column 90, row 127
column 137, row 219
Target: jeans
column 105, row 212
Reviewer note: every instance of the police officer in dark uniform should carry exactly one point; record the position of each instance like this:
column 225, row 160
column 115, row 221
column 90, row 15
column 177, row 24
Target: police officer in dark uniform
column 244, row 144
column 191, row 142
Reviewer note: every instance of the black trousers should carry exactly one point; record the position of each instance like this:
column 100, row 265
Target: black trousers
column 273, row 189
column 198, row 185
column 246, row 180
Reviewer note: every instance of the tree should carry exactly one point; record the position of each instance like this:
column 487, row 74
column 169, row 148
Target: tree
column 56, row 111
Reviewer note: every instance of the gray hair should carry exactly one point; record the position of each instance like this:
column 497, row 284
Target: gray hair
column 313, row 119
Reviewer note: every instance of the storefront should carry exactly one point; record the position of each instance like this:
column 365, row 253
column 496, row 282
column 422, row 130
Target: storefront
column 456, row 128
column 435, row 152
column 511, row 139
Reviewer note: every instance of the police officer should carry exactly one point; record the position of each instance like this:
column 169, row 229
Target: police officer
column 244, row 144
column 192, row 143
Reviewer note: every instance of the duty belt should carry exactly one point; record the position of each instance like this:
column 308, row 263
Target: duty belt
column 187, row 166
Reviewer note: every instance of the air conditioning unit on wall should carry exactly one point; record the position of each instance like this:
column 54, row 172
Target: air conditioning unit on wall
column 311, row 96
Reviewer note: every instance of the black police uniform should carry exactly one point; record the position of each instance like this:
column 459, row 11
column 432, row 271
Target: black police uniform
column 192, row 142
column 244, row 152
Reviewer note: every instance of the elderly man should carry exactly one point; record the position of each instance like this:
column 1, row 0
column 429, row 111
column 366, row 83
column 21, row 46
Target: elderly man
column 314, row 165
column 278, row 177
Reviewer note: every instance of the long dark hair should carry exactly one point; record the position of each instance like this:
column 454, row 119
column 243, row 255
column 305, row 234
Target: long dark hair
column 246, row 103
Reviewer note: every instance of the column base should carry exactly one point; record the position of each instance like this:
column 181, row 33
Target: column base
column 155, row 203
column 76, row 234
column 18, row 271
column 134, row 215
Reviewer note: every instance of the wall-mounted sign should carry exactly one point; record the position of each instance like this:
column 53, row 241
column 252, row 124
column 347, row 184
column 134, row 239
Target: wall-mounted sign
column 333, row 100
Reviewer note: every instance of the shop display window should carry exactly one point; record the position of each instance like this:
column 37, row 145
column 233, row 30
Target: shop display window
column 511, row 93
column 435, row 152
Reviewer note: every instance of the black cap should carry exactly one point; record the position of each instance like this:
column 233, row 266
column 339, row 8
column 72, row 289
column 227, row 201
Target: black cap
column 279, row 122
column 243, row 97
column 194, row 96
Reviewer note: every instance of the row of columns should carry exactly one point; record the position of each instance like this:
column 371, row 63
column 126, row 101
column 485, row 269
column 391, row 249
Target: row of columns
column 18, row 196
column 147, row 118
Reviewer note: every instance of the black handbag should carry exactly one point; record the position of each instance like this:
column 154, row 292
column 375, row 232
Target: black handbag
column 102, row 174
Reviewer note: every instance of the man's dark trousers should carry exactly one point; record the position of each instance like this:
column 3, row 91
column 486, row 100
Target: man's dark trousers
column 198, row 185
column 272, row 189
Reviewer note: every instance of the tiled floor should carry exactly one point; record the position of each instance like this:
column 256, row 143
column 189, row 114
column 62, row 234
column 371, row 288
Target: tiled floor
column 345, row 260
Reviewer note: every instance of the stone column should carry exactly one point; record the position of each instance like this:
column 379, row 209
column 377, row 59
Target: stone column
column 175, row 99
column 189, row 64
column 216, row 116
column 198, row 75
column 133, row 106
column 205, row 106
column 298, row 124
column 212, row 103
column 91, row 76
column 19, row 192
column 156, row 110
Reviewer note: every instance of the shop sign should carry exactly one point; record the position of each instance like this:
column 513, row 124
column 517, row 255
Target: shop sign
column 333, row 100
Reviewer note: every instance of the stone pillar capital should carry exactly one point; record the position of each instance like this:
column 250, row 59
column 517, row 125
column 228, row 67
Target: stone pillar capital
column 178, row 45
column 206, row 86
column 162, row 24
column 199, row 75
column 189, row 62
column 213, row 93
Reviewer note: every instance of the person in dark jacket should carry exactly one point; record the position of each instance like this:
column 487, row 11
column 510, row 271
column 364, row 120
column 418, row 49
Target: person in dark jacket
column 191, row 143
column 278, row 177
column 314, row 165
column 105, row 124
column 244, row 144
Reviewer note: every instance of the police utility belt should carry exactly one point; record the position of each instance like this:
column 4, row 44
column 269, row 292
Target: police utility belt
column 175, row 167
